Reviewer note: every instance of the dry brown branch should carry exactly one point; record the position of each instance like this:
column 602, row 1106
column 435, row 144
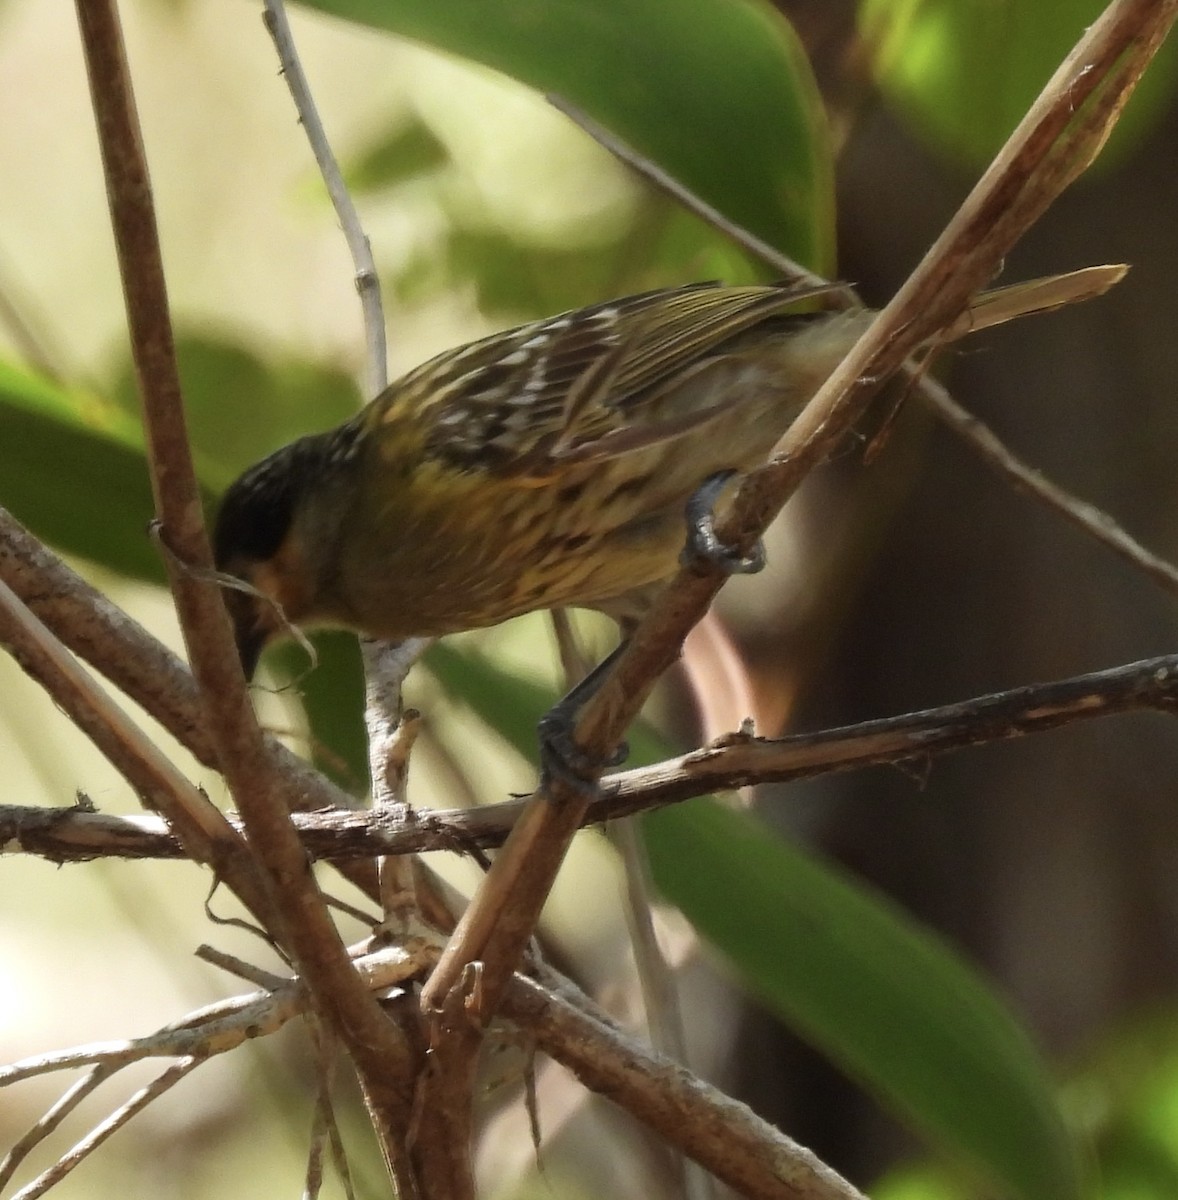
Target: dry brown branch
column 137, row 663
column 719, row 1133
column 1060, row 134
column 298, row 919
column 201, row 827
column 734, row 761
column 177, row 496
column 144, row 669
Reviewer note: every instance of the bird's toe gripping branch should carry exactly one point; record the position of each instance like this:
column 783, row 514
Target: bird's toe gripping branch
column 703, row 546
column 560, row 756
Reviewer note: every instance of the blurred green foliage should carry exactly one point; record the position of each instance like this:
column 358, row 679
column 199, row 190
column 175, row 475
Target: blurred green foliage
column 886, row 1000
column 963, row 72
column 717, row 93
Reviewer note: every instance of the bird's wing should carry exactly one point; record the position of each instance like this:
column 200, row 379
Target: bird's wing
column 584, row 385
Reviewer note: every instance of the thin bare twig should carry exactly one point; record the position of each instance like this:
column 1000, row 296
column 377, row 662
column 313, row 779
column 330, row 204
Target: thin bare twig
column 656, row 977
column 734, row 761
column 658, row 982
column 82, row 1150
column 52, row 1118
column 367, row 279
column 221, row 1027
column 1087, row 517
column 325, row 1133
column 385, row 665
column 238, row 967
column 757, row 247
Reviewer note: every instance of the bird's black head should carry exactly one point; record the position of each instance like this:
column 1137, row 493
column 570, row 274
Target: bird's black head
column 256, row 512
column 253, row 540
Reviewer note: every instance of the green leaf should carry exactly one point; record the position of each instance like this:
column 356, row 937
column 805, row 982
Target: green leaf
column 239, row 406
column 716, row 92
column 508, row 703
column 876, row 992
column 73, row 466
column 964, row 72
column 332, row 692
column 72, row 469
column 518, row 280
column 511, row 278
column 512, row 705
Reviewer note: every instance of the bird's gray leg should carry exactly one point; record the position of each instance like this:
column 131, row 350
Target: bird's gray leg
column 560, row 756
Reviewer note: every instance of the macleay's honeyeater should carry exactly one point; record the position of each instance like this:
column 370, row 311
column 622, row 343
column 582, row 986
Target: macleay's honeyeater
column 545, row 466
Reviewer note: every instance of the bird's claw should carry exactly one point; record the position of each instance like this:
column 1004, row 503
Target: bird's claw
column 560, row 756
column 703, row 545
column 561, row 759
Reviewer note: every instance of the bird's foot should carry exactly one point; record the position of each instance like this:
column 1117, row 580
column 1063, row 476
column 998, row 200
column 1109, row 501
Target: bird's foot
column 560, row 756
column 704, row 547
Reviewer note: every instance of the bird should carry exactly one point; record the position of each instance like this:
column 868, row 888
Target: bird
column 546, row 466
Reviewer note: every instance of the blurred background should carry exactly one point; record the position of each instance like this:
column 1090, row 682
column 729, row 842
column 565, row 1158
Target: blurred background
column 1050, row 864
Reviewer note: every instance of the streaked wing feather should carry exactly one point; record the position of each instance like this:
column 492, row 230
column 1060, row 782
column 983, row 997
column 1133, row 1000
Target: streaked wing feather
column 573, row 386
column 626, row 439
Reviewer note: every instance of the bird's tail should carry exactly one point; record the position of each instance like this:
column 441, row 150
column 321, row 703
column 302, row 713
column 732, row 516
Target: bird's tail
column 1003, row 304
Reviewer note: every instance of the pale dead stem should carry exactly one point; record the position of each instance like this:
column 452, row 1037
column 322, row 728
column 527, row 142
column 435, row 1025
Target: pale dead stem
column 194, row 1039
column 436, row 1132
column 717, row 1131
column 734, row 761
column 80, row 1151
